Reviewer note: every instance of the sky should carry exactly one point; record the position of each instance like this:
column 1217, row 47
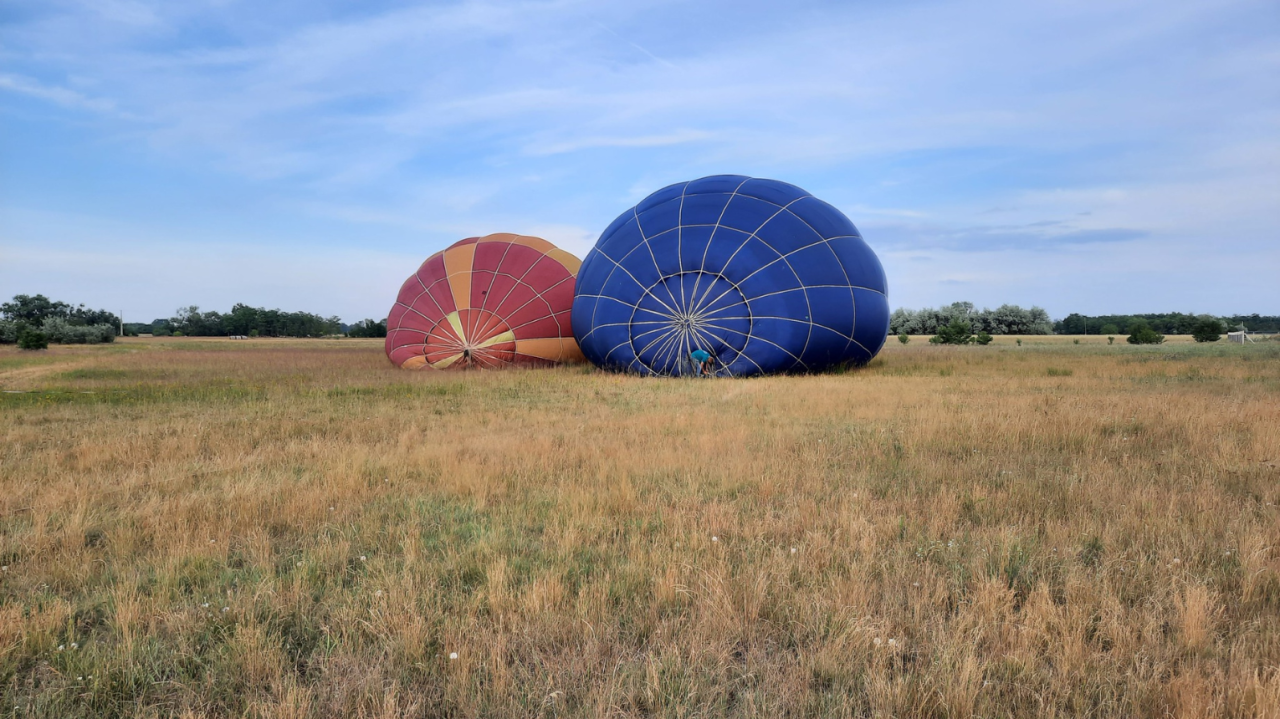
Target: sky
column 1092, row 157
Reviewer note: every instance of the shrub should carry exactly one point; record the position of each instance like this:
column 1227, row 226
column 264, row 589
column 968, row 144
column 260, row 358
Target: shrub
column 1019, row 341
column 8, row 332
column 1207, row 330
column 1142, row 334
column 33, row 340
column 959, row 332
column 903, row 338
column 63, row 332
column 1111, row 340
column 982, row 338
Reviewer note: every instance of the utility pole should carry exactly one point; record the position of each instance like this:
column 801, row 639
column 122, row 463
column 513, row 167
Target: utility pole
column 122, row 323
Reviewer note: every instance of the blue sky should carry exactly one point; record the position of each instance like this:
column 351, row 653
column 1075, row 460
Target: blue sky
column 1082, row 156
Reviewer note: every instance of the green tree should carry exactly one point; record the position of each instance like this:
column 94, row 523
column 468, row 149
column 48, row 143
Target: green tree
column 1109, row 328
column 30, row 310
column 982, row 338
column 1140, row 333
column 1207, row 330
column 959, row 332
column 368, row 328
column 903, row 338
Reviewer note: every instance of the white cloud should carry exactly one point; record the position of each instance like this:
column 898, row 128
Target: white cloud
column 52, row 93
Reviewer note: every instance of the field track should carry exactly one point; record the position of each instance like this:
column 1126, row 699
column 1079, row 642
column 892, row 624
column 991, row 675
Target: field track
column 294, row 528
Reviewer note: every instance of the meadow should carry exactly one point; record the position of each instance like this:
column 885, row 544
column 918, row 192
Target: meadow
column 293, row 528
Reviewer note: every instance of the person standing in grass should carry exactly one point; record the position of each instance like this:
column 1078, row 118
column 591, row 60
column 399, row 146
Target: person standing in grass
column 703, row 362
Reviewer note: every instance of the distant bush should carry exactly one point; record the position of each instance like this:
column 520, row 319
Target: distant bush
column 1055, row 372
column 982, row 338
column 1142, row 334
column 33, row 340
column 1109, row 329
column 959, row 332
column 62, row 332
column 903, row 338
column 1207, row 330
column 8, row 332
column 1004, row 320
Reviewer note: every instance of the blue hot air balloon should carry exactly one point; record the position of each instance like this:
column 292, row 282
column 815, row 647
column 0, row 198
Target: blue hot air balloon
column 757, row 273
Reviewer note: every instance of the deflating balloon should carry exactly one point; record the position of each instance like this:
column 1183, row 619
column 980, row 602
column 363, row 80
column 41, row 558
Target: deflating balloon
column 493, row 301
column 761, row 274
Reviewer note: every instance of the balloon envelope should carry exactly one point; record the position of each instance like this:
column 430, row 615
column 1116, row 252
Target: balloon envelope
column 489, row 302
column 758, row 272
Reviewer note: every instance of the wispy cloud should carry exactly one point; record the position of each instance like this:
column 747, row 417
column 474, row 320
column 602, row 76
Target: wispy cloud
column 679, row 137
column 61, row 96
column 1044, row 236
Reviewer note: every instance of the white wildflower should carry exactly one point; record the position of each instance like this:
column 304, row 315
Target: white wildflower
column 378, row 593
column 61, row 647
column 363, row 558
column 1177, row 561
column 793, row 550
column 715, row 539
column 876, row 641
column 453, row 655
column 226, row 609
column 74, row 645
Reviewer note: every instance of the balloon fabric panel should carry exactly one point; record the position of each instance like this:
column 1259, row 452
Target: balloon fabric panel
column 759, row 272
column 486, row 302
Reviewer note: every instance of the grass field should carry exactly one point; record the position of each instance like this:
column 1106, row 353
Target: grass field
column 295, row 529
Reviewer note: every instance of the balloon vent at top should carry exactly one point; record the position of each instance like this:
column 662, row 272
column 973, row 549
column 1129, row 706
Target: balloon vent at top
column 760, row 273
column 494, row 301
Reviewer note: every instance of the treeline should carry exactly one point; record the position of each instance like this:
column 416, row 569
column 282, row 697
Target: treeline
column 35, row 321
column 242, row 320
column 368, row 328
column 1173, row 323
column 1004, row 320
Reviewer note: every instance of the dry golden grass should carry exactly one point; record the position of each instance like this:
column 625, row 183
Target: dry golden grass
column 295, row 529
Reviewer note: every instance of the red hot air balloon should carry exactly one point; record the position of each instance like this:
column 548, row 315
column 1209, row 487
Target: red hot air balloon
column 493, row 301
